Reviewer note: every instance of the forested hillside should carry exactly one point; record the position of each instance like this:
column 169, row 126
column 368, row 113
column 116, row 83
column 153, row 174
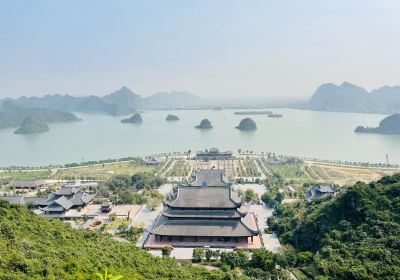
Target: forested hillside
column 32, row 247
column 355, row 235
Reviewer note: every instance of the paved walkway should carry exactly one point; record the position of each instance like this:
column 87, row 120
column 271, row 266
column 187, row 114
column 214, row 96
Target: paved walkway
column 257, row 188
column 146, row 218
column 262, row 212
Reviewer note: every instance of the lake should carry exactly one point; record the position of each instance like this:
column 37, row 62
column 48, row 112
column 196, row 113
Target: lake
column 324, row 135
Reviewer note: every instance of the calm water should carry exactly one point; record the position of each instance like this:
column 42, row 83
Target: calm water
column 322, row 135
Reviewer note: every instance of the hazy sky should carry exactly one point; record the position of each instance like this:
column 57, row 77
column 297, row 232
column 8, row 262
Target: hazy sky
column 222, row 48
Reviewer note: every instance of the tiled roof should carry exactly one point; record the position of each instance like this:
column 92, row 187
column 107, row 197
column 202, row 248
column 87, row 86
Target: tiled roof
column 209, row 178
column 22, row 200
column 205, row 197
column 27, row 183
column 203, row 227
column 66, row 191
column 203, row 213
column 34, row 200
column 68, row 200
column 12, row 199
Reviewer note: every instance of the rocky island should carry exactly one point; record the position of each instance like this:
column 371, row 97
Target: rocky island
column 204, row 124
column 389, row 125
column 136, row 118
column 31, row 125
column 253, row 113
column 247, row 124
column 171, row 117
column 275, row 115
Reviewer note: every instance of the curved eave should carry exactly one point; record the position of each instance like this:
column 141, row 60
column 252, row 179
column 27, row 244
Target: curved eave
column 201, row 216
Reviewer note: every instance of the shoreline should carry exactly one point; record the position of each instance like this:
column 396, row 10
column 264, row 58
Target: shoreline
column 340, row 163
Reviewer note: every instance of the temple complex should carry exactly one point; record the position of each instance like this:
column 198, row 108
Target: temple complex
column 206, row 212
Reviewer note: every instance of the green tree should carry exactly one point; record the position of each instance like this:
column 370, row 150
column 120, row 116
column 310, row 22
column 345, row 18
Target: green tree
column 198, row 254
column 279, row 197
column 208, row 255
column 237, row 258
column 250, row 195
column 152, row 203
column 166, row 251
column 304, row 258
column 268, row 199
column 263, row 259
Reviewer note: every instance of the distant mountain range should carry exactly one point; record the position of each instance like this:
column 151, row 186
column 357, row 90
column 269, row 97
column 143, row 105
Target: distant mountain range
column 348, row 97
column 121, row 102
column 174, row 99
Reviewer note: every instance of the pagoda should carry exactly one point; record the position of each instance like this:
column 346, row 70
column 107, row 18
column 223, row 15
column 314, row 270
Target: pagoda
column 206, row 212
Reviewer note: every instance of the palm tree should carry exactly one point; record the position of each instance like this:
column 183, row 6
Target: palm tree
column 108, row 276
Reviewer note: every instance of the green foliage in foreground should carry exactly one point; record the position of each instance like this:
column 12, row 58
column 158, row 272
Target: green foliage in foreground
column 352, row 236
column 32, row 247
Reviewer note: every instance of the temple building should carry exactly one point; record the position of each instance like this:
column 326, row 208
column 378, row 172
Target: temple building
column 213, row 154
column 317, row 192
column 66, row 198
column 206, row 212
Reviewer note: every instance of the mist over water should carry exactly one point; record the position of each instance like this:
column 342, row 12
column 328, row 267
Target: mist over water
column 324, row 135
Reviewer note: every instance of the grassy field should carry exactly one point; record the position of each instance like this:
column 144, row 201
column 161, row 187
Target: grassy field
column 290, row 172
column 25, row 175
column 103, row 172
column 346, row 175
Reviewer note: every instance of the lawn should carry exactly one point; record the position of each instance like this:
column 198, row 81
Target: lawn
column 24, row 175
column 290, row 172
column 103, row 172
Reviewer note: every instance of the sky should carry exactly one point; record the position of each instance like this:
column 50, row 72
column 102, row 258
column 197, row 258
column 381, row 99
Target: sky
column 224, row 48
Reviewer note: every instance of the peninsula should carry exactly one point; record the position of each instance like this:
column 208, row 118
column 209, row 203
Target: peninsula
column 389, row 125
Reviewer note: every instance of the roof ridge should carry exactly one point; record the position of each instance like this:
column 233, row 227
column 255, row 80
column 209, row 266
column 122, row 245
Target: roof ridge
column 246, row 226
column 230, row 197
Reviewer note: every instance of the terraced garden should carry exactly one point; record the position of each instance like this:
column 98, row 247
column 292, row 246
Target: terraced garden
column 181, row 168
column 247, row 168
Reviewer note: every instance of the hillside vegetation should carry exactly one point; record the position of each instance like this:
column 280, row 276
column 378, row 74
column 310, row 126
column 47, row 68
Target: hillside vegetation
column 352, row 236
column 32, row 247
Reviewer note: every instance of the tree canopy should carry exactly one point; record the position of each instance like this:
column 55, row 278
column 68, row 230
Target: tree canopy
column 32, row 247
column 352, row 236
